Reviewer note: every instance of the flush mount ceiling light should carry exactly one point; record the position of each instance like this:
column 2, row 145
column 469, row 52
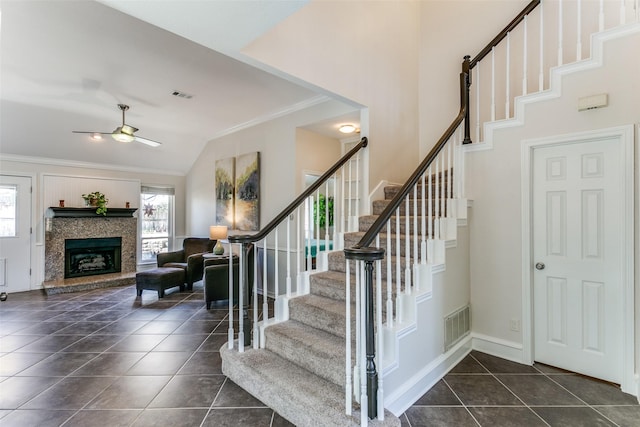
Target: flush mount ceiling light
column 347, row 128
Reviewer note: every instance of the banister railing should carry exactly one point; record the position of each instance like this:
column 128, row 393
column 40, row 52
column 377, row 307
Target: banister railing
column 302, row 207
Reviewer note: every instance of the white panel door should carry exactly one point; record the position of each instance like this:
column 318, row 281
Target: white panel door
column 577, row 248
column 15, row 233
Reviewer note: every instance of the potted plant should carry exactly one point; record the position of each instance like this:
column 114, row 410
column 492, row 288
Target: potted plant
column 97, row 200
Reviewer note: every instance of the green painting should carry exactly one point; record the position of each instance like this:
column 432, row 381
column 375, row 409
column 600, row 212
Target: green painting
column 247, row 192
column 225, row 175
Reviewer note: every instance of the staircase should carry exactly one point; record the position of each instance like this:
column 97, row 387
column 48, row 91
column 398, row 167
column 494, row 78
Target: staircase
column 301, row 371
column 300, row 368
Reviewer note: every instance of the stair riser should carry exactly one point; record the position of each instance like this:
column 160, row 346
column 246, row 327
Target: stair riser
column 338, row 288
column 391, row 192
column 329, row 366
column 327, row 321
column 378, row 206
column 366, row 222
column 352, row 240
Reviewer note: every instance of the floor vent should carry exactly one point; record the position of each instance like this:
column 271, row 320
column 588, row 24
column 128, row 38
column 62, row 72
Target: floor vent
column 457, row 325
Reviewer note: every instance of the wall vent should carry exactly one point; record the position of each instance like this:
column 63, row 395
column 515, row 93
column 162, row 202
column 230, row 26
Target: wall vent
column 457, row 325
column 181, row 94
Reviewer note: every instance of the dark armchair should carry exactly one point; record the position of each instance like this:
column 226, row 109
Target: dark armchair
column 216, row 278
column 189, row 257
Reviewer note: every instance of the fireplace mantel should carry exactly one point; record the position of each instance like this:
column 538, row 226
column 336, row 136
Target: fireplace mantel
column 91, row 212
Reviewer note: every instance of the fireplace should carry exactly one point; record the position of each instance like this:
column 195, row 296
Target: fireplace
column 92, row 256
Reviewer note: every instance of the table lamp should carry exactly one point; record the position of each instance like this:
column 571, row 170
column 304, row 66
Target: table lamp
column 218, row 232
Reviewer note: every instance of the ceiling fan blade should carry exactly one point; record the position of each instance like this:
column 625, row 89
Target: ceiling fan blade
column 92, row 132
column 148, row 142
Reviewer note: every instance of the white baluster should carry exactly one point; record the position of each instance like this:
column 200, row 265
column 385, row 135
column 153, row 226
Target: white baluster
column 317, row 222
column 443, row 183
column 379, row 343
column 240, row 296
column 335, row 206
column 493, row 83
column 450, row 172
column 350, row 182
column 623, row 12
column 265, row 286
column 541, row 57
column 430, row 208
column 348, row 379
column 399, row 312
column 478, row 102
column 230, row 333
column 309, row 232
column 256, row 330
column 357, row 180
column 423, row 223
column 298, row 251
column 507, row 104
column 560, row 27
column 288, row 283
column 389, row 278
column 326, row 216
column 363, row 353
column 415, row 224
column 407, row 247
column 579, row 36
column 344, row 202
column 525, row 56
column 601, row 16
column 437, row 201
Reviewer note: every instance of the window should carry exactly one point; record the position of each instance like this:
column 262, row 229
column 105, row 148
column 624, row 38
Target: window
column 156, row 219
column 8, row 194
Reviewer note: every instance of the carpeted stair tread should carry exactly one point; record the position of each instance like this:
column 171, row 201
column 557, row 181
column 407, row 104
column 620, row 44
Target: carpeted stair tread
column 313, row 349
column 298, row 395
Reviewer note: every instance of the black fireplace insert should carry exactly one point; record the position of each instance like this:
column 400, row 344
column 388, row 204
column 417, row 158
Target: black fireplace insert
column 88, row 257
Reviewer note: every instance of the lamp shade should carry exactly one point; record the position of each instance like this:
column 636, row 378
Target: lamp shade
column 217, row 232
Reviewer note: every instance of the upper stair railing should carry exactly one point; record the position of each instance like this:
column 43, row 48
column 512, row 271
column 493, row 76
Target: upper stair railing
column 333, row 192
column 408, row 238
column 517, row 61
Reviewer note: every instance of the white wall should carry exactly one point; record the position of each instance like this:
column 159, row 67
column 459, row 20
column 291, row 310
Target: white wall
column 366, row 52
column 494, row 183
column 279, row 171
column 314, row 153
column 86, row 177
column 449, row 31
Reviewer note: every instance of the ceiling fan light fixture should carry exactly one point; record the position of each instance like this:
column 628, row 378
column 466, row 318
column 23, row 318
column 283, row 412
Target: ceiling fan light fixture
column 121, row 136
column 96, row 136
column 347, row 128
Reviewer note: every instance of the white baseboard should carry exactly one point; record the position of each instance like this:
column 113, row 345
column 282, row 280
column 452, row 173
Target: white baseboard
column 497, row 347
column 398, row 402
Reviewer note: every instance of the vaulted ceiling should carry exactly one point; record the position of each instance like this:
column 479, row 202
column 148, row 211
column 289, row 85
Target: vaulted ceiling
column 67, row 64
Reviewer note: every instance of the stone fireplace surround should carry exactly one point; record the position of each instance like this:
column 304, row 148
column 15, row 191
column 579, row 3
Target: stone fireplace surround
column 75, row 224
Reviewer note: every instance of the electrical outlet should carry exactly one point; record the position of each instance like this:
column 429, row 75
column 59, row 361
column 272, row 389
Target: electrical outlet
column 514, row 325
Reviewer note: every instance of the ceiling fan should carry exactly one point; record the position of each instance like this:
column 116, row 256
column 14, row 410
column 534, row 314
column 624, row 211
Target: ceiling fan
column 124, row 133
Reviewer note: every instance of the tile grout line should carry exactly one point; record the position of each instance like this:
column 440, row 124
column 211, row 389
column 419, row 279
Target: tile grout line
column 510, row 391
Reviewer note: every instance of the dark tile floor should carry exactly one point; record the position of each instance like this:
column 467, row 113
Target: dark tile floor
column 108, row 358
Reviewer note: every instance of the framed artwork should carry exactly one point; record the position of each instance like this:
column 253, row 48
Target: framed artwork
column 225, row 175
column 247, row 192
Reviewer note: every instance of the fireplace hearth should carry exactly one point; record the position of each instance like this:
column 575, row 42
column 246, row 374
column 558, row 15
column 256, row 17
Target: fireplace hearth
column 92, row 256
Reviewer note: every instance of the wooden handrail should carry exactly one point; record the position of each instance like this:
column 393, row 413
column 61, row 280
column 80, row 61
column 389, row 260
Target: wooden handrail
column 502, row 34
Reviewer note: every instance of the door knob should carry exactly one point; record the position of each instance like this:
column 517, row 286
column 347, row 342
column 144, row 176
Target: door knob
column 540, row 266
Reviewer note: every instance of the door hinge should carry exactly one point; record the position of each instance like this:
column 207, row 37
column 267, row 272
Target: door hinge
column 29, row 272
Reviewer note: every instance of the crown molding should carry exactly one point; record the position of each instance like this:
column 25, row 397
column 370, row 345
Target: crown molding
column 85, row 165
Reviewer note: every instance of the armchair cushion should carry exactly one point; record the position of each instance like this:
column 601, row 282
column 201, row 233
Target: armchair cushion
column 188, row 258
